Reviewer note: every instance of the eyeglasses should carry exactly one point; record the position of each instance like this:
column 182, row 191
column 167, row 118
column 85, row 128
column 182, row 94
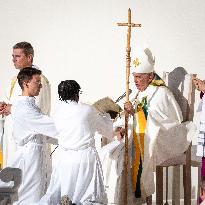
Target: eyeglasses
column 37, row 82
column 34, row 82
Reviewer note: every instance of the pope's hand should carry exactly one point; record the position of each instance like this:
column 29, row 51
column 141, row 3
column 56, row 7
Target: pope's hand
column 129, row 108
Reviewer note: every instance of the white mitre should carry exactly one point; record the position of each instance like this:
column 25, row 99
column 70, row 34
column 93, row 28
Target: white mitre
column 144, row 63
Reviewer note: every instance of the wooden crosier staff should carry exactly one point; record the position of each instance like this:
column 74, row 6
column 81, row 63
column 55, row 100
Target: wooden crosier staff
column 128, row 59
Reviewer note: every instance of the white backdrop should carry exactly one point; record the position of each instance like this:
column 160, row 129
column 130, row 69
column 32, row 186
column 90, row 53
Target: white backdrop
column 79, row 39
column 75, row 39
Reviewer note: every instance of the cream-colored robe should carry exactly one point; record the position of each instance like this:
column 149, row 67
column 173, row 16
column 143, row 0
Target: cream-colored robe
column 165, row 138
column 165, row 135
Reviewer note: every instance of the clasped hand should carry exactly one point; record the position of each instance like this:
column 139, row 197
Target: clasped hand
column 129, row 108
column 5, row 109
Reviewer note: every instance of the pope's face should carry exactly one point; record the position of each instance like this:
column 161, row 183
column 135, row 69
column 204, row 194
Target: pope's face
column 142, row 80
column 21, row 60
column 34, row 86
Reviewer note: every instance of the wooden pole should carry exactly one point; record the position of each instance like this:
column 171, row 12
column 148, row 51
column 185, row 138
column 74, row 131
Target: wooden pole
column 128, row 60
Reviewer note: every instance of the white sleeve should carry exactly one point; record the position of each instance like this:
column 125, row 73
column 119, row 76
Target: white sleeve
column 103, row 123
column 40, row 123
column 29, row 121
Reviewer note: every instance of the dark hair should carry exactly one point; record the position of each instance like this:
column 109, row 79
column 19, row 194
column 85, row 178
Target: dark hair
column 113, row 114
column 68, row 90
column 27, row 47
column 26, row 74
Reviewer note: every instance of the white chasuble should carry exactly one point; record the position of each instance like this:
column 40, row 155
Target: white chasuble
column 165, row 138
column 165, row 134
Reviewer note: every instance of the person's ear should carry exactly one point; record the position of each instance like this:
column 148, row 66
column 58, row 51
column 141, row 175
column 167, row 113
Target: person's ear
column 151, row 76
column 25, row 83
column 30, row 57
column 76, row 98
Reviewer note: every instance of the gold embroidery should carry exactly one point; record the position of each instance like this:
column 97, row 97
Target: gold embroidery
column 13, row 82
column 136, row 62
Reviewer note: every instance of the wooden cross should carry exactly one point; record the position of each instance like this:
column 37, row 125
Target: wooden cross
column 128, row 60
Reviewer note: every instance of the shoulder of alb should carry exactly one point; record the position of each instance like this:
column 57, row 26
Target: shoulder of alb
column 44, row 79
column 14, row 78
column 87, row 107
column 166, row 92
column 164, row 89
